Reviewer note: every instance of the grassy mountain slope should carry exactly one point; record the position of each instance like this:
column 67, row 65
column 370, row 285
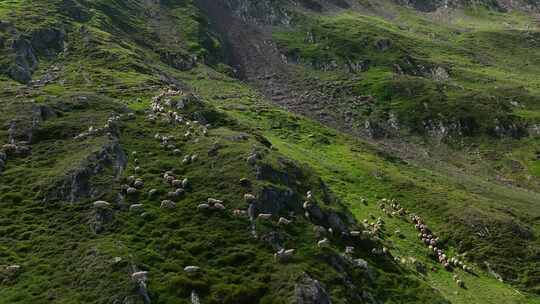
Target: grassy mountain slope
column 112, row 58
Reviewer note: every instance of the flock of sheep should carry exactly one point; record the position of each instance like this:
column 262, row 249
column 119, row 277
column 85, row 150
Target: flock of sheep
column 133, row 185
column 428, row 238
column 164, row 101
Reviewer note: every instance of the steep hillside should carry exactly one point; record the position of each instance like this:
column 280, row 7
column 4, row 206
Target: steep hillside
column 236, row 151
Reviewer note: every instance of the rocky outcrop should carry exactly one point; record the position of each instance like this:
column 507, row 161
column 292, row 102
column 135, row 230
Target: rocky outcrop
column 24, row 50
column 500, row 5
column 25, row 61
column 273, row 200
column 77, row 185
column 310, row 291
column 178, row 60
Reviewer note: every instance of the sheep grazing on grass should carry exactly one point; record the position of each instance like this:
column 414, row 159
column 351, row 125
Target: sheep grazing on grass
column 167, row 204
column 212, row 204
column 283, row 221
column 177, row 183
column 185, row 183
column 178, row 193
column 101, row 205
column 249, row 198
column 323, row 242
column 130, row 179
column 192, row 269
column 169, row 179
column 139, row 276
column 460, row 283
column 218, row 206
column 139, row 184
column 349, row 250
column 284, row 255
column 264, row 216
column 212, row 201
column 203, row 206
column 379, row 251
column 361, row 263
column 152, row 192
column 9, row 148
column 309, row 196
column 13, row 268
column 245, row 182
column 355, row 233
column 131, row 190
column 239, row 213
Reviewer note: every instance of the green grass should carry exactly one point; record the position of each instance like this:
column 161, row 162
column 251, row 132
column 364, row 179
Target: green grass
column 115, row 63
column 350, row 169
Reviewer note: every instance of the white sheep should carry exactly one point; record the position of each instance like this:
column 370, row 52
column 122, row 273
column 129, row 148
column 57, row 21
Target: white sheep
column 238, row 212
column 283, row 221
column 283, row 255
column 101, row 204
column 167, row 204
column 218, row 206
column 349, row 250
column 140, row 276
column 192, row 269
column 355, row 233
column 264, row 216
column 323, row 242
column 169, row 179
column 212, row 201
column 131, row 190
column 177, row 183
column 249, row 198
column 138, row 184
column 203, row 206
column 185, row 183
column 13, row 268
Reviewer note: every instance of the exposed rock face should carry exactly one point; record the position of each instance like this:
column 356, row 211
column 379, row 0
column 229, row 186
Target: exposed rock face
column 77, row 185
column 48, row 41
column 25, row 62
column 310, row 291
column 25, row 50
column 259, row 12
column 182, row 62
column 273, row 200
column 432, row 5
